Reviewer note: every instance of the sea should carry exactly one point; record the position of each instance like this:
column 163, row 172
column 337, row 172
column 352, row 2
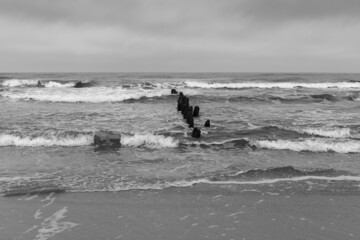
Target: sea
column 274, row 132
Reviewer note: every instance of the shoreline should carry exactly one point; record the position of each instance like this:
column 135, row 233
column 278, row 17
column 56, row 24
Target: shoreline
column 181, row 213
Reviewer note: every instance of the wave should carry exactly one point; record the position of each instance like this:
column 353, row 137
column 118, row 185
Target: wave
column 228, row 143
column 60, row 139
column 45, row 84
column 286, row 85
column 277, row 172
column 73, row 139
column 52, row 84
column 311, row 145
column 329, row 132
column 276, row 180
column 91, row 95
column 23, row 185
column 20, row 82
column 148, row 140
column 27, row 188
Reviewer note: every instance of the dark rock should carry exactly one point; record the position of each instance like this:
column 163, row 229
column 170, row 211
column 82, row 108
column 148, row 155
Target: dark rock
column 179, row 106
column 39, row 84
column 207, row 123
column 184, row 111
column 173, row 91
column 196, row 111
column 187, row 101
column 191, row 123
column 196, row 133
column 107, row 139
column 189, row 114
column 189, row 117
column 181, row 101
column 79, row 85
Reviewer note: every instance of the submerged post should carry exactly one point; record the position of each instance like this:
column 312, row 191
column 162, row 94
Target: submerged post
column 105, row 140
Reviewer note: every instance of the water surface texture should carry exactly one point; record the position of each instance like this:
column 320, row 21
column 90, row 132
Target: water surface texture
column 284, row 132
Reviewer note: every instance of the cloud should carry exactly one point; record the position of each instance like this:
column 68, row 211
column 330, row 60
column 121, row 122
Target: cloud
column 172, row 35
column 296, row 10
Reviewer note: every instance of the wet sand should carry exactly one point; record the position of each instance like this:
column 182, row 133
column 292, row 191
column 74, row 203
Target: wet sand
column 180, row 213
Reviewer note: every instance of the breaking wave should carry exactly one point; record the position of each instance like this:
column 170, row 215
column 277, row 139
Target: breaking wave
column 148, row 140
column 287, row 85
column 65, row 140
column 91, row 95
column 329, row 132
column 73, row 139
column 312, row 145
column 36, row 82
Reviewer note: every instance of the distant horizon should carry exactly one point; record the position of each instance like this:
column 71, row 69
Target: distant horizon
column 260, row 72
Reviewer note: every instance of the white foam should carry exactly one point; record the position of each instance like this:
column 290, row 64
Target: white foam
column 148, row 140
column 51, row 225
column 322, row 85
column 34, row 83
column 214, row 143
column 52, row 84
column 312, row 145
column 189, row 183
column 11, row 140
column 327, row 132
column 331, row 132
column 276, row 180
column 10, row 179
column 19, row 82
column 93, row 95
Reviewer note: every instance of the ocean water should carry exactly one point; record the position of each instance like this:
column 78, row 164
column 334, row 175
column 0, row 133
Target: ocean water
column 273, row 132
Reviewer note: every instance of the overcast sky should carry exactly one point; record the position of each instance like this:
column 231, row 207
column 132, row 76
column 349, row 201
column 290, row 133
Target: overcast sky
column 180, row 35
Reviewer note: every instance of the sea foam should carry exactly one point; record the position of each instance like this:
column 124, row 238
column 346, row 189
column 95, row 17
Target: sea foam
column 66, row 141
column 327, row 132
column 92, row 95
column 189, row 183
column 34, row 83
column 289, row 85
column 52, row 84
column 312, row 145
column 52, row 226
column 19, row 82
column 148, row 140
column 330, row 132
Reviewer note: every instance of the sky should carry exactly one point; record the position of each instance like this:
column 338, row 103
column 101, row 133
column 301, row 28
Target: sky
column 179, row 36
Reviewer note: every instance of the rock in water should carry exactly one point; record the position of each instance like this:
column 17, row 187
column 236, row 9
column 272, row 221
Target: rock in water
column 188, row 114
column 196, row 111
column 207, row 123
column 107, row 140
column 173, row 91
column 196, row 133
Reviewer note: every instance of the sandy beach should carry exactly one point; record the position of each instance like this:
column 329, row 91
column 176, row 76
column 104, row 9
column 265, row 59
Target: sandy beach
column 180, row 213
